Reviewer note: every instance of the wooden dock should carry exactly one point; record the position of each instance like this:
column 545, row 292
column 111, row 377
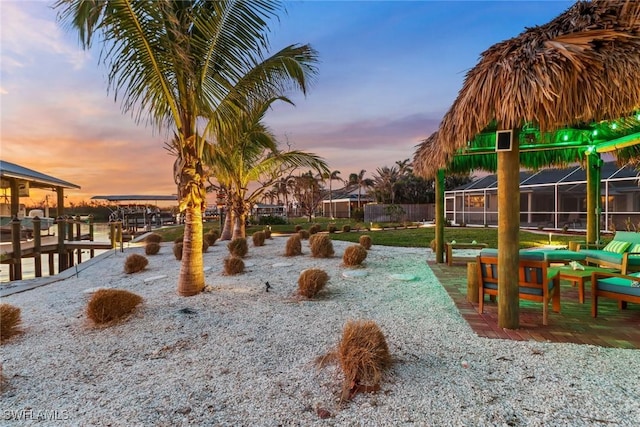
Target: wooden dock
column 67, row 245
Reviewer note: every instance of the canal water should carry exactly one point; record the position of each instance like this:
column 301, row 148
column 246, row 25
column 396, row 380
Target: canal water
column 100, row 234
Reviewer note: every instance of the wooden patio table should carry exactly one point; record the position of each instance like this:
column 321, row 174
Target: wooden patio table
column 579, row 277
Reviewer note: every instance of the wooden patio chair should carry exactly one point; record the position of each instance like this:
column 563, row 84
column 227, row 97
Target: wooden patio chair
column 537, row 283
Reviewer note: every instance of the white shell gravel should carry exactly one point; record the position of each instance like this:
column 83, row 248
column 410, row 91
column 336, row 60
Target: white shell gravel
column 237, row 355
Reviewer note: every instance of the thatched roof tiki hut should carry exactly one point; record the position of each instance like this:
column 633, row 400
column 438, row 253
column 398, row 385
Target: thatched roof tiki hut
column 560, row 88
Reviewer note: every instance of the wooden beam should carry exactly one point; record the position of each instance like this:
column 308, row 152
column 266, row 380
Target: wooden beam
column 440, row 216
column 594, row 164
column 508, row 236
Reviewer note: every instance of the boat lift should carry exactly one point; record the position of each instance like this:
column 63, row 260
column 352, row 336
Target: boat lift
column 136, row 215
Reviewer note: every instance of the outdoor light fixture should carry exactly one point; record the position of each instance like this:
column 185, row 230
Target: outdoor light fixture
column 550, row 234
column 614, row 126
column 503, row 140
column 595, row 132
column 565, row 137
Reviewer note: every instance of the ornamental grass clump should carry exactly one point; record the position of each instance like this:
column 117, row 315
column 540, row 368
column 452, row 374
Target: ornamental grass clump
column 432, row 245
column 331, row 228
column 304, row 234
column 354, row 255
column 315, row 228
column 233, row 265
column 9, row 321
column 363, row 356
column 311, row 281
column 211, row 236
column 111, row 305
column 151, row 248
column 135, row 263
column 322, row 246
column 298, row 227
column 267, row 233
column 179, row 239
column 258, row 238
column 177, row 250
column 346, row 228
column 238, row 247
column 293, row 246
column 365, row 241
column 153, row 238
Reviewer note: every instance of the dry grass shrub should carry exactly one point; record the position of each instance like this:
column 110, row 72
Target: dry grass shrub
column 211, row 237
column 110, row 305
column 298, row 227
column 151, row 248
column 315, row 228
column 432, row 245
column 346, row 228
column 258, row 238
column 354, row 255
column 267, row 233
column 311, row 281
column 233, row 265
column 321, row 246
column 153, row 238
column 363, row 355
column 331, row 228
column 293, row 246
column 177, row 250
column 9, row 321
column 365, row 241
column 238, row 247
column 178, row 239
column 304, row 234
column 205, row 246
column 135, row 263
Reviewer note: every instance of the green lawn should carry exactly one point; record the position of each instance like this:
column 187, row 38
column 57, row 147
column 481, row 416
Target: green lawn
column 412, row 237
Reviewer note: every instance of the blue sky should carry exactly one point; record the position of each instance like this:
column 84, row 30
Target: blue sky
column 388, row 72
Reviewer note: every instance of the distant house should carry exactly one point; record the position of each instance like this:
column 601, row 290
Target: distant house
column 344, row 201
column 552, row 198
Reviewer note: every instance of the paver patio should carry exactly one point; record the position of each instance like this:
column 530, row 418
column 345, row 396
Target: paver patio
column 574, row 324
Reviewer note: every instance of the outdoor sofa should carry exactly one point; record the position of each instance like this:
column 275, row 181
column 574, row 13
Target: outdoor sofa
column 621, row 287
column 622, row 253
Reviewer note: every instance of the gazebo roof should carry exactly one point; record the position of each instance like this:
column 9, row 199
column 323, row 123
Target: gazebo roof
column 34, row 178
column 570, row 86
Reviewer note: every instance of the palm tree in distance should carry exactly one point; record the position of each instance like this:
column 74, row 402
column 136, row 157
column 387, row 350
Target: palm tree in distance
column 184, row 65
column 359, row 180
column 331, row 176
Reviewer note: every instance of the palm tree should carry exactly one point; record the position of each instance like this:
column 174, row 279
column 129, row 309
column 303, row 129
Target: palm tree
column 385, row 183
column 331, row 176
column 359, row 180
column 247, row 156
column 185, row 64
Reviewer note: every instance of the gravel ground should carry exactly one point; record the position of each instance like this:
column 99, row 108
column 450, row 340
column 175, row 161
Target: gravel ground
column 236, row 355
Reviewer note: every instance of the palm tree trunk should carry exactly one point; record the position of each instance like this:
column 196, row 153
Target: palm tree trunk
column 191, row 279
column 226, row 230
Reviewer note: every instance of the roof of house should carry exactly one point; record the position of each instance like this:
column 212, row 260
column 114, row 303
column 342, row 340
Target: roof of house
column 573, row 175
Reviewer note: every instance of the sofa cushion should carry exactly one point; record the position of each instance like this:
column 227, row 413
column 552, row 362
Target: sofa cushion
column 527, row 254
column 627, row 236
column 617, row 246
column 618, row 285
column 602, row 255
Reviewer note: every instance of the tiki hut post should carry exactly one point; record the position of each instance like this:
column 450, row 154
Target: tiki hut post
column 509, row 235
column 594, row 163
column 440, row 216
